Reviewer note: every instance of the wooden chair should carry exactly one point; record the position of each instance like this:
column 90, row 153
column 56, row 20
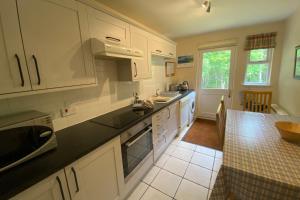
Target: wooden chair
column 221, row 120
column 257, row 101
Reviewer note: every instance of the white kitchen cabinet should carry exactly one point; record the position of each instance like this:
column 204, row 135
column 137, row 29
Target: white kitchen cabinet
column 13, row 71
column 55, row 36
column 162, row 48
column 52, row 188
column 98, row 175
column 165, row 127
column 107, row 28
column 139, row 40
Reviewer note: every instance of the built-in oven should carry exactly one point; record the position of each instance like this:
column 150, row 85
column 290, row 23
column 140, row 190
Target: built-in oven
column 136, row 146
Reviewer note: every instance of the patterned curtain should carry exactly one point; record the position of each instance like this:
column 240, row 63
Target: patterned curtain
column 261, row 41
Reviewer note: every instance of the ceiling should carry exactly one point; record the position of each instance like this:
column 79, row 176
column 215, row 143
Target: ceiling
column 178, row 18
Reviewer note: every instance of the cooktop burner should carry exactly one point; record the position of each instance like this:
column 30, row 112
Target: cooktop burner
column 120, row 118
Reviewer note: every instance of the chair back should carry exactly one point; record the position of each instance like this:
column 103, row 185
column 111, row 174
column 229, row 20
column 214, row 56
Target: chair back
column 257, row 101
column 221, row 120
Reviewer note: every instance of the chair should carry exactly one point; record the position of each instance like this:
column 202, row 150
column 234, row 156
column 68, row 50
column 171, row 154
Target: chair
column 221, row 120
column 257, row 101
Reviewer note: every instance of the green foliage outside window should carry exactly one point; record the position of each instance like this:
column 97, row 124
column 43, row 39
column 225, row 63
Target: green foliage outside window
column 216, row 69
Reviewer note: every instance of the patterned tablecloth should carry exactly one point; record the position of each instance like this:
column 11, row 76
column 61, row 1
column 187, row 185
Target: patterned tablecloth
column 257, row 163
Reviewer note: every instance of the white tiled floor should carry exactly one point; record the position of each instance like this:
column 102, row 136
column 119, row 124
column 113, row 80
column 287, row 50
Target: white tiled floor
column 184, row 172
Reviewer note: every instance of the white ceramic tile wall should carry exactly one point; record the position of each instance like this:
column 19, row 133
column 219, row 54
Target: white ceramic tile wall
column 110, row 94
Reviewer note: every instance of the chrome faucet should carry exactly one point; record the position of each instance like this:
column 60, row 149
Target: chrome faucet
column 156, row 92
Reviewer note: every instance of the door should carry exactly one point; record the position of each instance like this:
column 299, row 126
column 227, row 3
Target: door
column 98, row 175
column 13, row 70
column 215, row 79
column 173, row 122
column 141, row 68
column 52, row 188
column 55, row 41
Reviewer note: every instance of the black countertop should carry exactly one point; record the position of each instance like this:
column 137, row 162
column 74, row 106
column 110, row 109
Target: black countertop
column 73, row 143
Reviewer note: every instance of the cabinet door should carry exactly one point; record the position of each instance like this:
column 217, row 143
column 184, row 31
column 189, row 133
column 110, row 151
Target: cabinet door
column 139, row 40
column 107, row 28
column 173, row 122
column 13, row 71
column 55, row 34
column 51, row 188
column 98, row 175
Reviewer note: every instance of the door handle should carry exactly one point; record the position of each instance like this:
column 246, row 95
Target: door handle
column 135, row 69
column 37, row 69
column 169, row 113
column 76, row 180
column 60, row 188
column 20, row 70
column 229, row 93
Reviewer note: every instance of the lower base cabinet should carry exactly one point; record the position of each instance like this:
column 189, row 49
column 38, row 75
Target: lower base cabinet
column 99, row 175
column 52, row 188
column 96, row 176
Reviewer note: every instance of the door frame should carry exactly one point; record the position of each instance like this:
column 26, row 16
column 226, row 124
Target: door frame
column 232, row 75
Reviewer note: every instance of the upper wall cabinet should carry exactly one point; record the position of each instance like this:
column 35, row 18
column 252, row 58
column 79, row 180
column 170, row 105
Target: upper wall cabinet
column 55, row 36
column 162, row 48
column 139, row 40
column 107, row 28
column 13, row 71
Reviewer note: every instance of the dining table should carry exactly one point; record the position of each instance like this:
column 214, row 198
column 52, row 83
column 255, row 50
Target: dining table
column 257, row 162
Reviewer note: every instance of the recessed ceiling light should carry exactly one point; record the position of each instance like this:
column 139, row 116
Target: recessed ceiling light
column 206, row 5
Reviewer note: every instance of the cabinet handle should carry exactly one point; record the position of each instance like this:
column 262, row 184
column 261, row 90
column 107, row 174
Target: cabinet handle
column 157, row 50
column 135, row 69
column 171, row 54
column 37, row 69
column 20, row 70
column 60, row 188
column 169, row 113
column 76, row 180
column 113, row 39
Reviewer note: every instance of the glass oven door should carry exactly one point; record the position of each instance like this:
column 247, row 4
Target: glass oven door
column 136, row 149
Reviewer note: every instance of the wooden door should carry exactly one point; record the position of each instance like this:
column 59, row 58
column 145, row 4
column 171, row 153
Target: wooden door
column 55, row 34
column 13, row 70
column 99, row 175
column 51, row 188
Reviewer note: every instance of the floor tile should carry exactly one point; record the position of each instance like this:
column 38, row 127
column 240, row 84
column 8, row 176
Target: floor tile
column 176, row 166
column 206, row 150
column 138, row 192
column 217, row 164
column 203, row 160
column 213, row 180
column 198, row 175
column 191, row 191
column 170, row 149
column 153, row 194
column 183, row 154
column 162, row 160
column 166, row 182
column 151, row 175
column 219, row 154
column 186, row 145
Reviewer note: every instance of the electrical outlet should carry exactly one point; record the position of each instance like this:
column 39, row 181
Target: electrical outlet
column 67, row 111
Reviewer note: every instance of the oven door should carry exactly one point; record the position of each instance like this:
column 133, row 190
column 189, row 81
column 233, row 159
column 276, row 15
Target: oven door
column 136, row 149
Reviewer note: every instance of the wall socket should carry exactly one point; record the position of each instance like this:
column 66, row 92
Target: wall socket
column 67, row 111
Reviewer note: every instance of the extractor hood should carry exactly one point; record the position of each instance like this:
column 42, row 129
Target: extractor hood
column 107, row 50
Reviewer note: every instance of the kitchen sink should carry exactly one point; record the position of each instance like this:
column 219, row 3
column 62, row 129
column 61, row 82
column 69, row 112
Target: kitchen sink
column 165, row 97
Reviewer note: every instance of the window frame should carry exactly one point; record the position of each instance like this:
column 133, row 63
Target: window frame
column 269, row 61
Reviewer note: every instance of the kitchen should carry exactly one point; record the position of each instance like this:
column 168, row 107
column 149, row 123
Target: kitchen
column 74, row 73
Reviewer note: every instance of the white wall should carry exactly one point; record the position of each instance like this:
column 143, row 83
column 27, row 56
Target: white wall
column 189, row 45
column 110, row 94
column 289, row 88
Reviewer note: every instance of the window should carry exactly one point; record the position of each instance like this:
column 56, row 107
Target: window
column 216, row 69
column 258, row 70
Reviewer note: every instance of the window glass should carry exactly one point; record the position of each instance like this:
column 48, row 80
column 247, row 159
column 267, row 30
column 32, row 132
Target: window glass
column 258, row 67
column 216, row 69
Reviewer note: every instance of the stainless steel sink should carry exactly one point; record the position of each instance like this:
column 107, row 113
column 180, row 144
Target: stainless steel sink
column 165, row 97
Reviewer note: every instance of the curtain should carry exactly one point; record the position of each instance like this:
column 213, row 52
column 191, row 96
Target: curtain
column 261, row 41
